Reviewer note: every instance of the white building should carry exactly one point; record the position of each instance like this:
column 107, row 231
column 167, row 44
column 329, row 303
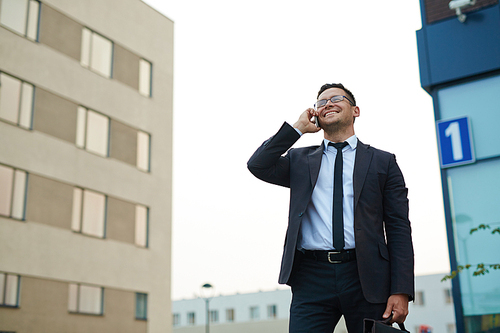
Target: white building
column 268, row 311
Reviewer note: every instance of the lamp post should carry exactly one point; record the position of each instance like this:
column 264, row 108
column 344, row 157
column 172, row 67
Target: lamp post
column 207, row 292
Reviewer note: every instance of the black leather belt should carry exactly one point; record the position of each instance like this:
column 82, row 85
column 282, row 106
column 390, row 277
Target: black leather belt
column 333, row 257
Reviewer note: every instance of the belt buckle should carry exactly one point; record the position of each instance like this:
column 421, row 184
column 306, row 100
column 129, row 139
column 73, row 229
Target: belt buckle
column 333, row 261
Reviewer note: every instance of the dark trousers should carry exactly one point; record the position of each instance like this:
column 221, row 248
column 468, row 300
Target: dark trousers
column 322, row 292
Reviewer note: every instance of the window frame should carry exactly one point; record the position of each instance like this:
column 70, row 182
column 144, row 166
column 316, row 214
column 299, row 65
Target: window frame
column 272, row 311
column 77, row 301
column 78, row 211
column 254, row 313
column 230, row 315
column 176, row 319
column 82, row 130
column 214, row 316
column 140, row 160
column 13, row 197
column 191, row 318
column 146, row 226
column 86, row 53
column 4, row 290
column 21, row 113
column 144, row 314
column 149, row 87
column 28, row 24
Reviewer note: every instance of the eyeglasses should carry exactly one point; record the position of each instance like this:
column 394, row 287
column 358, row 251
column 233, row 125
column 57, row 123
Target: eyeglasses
column 334, row 99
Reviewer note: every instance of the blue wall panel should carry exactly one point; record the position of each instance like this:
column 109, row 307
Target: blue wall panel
column 450, row 50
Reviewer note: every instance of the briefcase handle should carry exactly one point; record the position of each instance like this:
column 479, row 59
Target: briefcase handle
column 388, row 322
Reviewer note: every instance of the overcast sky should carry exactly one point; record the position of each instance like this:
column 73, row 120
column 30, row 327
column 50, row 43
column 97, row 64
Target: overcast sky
column 241, row 69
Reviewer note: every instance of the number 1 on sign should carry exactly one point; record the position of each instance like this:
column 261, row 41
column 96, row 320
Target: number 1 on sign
column 453, row 131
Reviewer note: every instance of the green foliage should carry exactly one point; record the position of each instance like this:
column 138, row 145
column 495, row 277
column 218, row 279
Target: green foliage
column 480, row 269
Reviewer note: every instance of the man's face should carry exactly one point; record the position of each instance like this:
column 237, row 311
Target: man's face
column 338, row 114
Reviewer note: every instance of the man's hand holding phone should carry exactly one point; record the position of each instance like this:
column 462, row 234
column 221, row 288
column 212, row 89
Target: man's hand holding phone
column 307, row 122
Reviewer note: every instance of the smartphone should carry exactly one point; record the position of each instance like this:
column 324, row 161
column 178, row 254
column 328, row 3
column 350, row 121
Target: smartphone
column 316, row 121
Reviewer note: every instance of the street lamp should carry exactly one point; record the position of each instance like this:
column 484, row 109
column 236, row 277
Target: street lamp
column 207, row 293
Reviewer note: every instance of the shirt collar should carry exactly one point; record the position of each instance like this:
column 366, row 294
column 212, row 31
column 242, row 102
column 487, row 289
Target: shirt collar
column 352, row 142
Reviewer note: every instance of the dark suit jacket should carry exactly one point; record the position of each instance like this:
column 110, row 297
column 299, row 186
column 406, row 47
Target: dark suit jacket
column 385, row 263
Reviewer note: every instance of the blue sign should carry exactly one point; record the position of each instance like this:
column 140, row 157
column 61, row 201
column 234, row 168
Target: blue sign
column 455, row 142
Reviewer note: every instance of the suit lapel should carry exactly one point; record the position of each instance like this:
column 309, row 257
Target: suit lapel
column 361, row 165
column 315, row 163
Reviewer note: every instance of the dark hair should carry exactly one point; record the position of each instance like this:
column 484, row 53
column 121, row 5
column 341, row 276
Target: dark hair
column 339, row 86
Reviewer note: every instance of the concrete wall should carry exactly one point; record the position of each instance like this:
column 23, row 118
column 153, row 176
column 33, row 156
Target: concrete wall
column 45, row 309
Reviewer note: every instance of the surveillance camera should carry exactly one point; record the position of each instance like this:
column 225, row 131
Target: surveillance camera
column 458, row 4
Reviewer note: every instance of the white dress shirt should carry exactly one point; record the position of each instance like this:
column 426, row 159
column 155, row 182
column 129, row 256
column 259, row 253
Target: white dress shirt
column 316, row 228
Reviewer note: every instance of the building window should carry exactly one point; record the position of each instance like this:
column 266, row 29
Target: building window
column 254, row 312
column 176, row 319
column 230, row 315
column 145, row 77
column 141, row 225
column 143, row 147
column 16, row 101
column 448, row 296
column 191, row 318
column 272, row 311
column 92, row 131
column 9, row 289
column 12, row 192
column 96, row 53
column 214, row 316
column 141, row 306
column 21, row 16
column 419, row 298
column 85, row 299
column 89, row 211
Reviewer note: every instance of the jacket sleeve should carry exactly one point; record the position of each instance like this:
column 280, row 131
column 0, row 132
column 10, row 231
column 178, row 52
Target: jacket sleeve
column 398, row 231
column 268, row 162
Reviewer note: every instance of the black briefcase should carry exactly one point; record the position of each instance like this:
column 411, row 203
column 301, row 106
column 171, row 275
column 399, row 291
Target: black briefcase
column 381, row 326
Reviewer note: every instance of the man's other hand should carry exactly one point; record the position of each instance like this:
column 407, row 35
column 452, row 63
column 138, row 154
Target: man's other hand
column 398, row 306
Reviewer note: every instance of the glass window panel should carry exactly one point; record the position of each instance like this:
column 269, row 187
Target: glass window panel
column 73, row 297
column 483, row 98
column 93, row 213
column 254, row 312
column 474, row 195
column 141, row 225
column 26, row 109
column 143, row 151
column 34, row 8
column 141, row 307
column 191, row 318
column 81, row 123
column 90, row 299
column 230, row 315
column 176, row 319
column 19, row 194
column 2, row 288
column 85, row 52
column 77, row 209
column 97, row 133
column 6, row 180
column 11, row 287
column 145, row 77
column 10, row 92
column 13, row 14
column 101, row 53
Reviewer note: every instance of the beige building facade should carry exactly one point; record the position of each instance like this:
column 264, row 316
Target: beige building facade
column 85, row 166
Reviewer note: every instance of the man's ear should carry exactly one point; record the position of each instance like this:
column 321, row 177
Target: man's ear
column 355, row 111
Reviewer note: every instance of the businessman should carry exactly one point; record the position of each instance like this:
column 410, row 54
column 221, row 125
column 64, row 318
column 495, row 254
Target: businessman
column 348, row 248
